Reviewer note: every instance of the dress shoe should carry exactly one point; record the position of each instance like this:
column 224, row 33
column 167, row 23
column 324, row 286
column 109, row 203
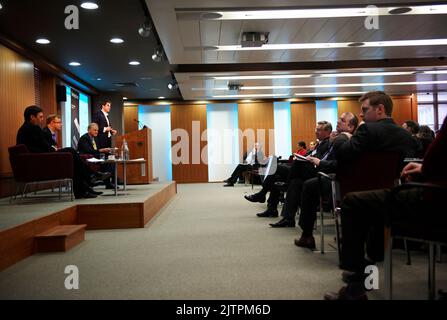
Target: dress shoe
column 111, row 186
column 306, row 242
column 86, row 195
column 283, row 223
column 268, row 214
column 96, row 193
column 346, row 294
column 255, row 198
column 229, row 184
column 103, row 175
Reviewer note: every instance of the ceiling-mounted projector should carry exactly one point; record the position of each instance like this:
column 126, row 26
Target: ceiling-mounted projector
column 234, row 86
column 254, row 39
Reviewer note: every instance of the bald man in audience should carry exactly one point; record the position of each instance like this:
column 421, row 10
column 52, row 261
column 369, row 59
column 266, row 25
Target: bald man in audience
column 305, row 193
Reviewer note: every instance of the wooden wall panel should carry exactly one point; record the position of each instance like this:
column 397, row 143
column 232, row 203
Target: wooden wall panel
column 353, row 106
column 16, row 93
column 257, row 116
column 182, row 117
column 130, row 114
column 48, row 94
column 402, row 110
column 304, row 120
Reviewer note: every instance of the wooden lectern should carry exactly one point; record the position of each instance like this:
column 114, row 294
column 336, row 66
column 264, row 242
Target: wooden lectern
column 140, row 146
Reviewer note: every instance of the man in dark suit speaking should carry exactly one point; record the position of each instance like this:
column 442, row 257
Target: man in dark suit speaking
column 105, row 130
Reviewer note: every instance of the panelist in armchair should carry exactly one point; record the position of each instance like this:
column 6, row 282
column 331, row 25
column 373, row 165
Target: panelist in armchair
column 88, row 144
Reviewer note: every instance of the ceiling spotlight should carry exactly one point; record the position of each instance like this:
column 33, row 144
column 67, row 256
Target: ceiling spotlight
column 161, row 98
column 134, row 63
column 74, row 64
column 158, row 54
column 124, row 98
column 43, row 41
column 173, row 85
column 1, row 6
column 116, row 40
column 89, row 5
column 145, row 29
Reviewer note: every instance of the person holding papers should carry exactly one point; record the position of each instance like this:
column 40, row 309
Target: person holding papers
column 88, row 144
column 254, row 159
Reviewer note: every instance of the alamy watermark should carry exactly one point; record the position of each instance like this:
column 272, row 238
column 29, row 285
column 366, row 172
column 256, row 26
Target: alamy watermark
column 72, row 278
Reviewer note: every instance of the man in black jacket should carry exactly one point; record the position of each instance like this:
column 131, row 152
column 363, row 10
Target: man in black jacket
column 104, row 126
column 305, row 193
column 31, row 135
column 54, row 125
column 364, row 211
column 285, row 172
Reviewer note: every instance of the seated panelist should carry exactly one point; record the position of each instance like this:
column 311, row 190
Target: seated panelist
column 88, row 143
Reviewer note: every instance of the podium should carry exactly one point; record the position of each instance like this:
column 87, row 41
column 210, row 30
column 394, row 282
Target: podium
column 140, row 146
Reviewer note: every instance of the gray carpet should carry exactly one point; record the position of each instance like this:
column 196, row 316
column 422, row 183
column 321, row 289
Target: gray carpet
column 207, row 243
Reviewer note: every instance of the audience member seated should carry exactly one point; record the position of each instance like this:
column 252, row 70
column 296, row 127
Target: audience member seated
column 32, row 136
column 305, row 193
column 302, row 150
column 362, row 213
column 254, row 159
column 286, row 173
column 88, row 145
column 312, row 146
column 425, row 137
column 411, row 126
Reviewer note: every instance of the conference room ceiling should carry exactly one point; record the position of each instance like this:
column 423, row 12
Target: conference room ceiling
column 103, row 64
column 196, row 35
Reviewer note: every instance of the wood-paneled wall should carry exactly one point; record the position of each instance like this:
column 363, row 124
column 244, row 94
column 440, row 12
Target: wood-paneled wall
column 304, row 119
column 130, row 114
column 404, row 108
column 260, row 118
column 16, row 93
column 349, row 106
column 182, row 117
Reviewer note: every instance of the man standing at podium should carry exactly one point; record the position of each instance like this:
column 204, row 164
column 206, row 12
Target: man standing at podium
column 104, row 126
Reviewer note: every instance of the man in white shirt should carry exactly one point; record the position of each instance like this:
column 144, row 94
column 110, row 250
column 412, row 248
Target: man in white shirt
column 254, row 159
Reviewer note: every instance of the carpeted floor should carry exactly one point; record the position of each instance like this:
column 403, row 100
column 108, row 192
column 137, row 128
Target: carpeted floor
column 207, row 243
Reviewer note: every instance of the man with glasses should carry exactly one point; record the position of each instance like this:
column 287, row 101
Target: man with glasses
column 54, row 126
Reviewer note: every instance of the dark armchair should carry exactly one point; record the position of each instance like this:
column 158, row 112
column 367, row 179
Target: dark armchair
column 33, row 168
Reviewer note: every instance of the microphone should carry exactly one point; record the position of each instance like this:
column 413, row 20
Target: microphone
column 140, row 123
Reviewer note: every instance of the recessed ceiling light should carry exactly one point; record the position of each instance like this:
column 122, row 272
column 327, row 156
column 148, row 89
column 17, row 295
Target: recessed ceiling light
column 124, row 98
column 344, row 85
column 435, row 72
column 116, row 40
column 261, row 77
column 89, row 5
column 337, row 45
column 43, row 41
column 251, row 95
column 1, row 6
column 98, row 79
column 317, row 13
column 161, row 98
column 134, row 63
column 311, row 94
column 74, row 64
column 322, row 75
column 400, row 10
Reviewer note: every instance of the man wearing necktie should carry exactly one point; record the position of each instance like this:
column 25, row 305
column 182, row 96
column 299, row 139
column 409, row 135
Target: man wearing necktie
column 101, row 118
column 54, row 125
column 88, row 145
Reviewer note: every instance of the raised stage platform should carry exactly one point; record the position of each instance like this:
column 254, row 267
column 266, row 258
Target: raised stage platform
column 22, row 220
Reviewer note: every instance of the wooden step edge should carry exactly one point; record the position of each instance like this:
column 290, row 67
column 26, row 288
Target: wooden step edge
column 71, row 230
